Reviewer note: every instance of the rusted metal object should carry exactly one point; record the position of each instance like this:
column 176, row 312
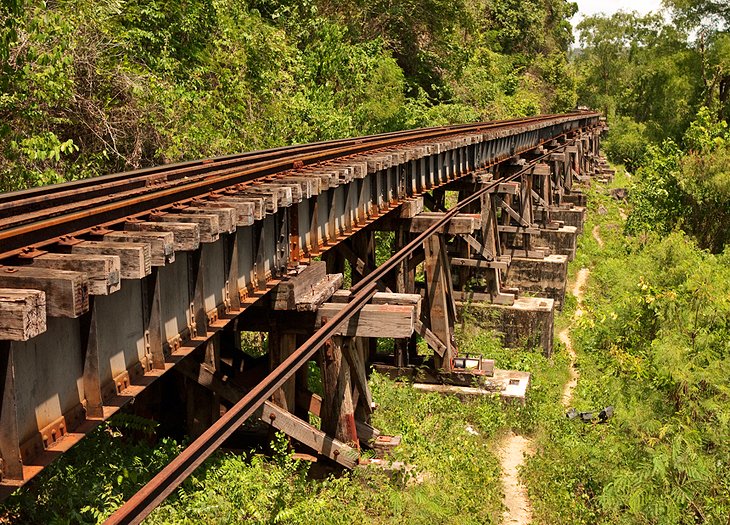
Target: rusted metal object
column 201, row 285
column 64, row 212
column 165, row 482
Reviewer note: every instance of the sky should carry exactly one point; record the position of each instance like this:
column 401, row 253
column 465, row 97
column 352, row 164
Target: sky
column 591, row 7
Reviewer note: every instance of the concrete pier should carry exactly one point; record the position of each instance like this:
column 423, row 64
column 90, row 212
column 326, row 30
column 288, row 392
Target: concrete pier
column 570, row 216
column 528, row 323
column 541, row 277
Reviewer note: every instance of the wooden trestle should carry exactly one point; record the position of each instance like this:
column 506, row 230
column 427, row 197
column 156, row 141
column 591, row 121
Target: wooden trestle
column 92, row 325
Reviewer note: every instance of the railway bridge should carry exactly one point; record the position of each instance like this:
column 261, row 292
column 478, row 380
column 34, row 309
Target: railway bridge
column 141, row 286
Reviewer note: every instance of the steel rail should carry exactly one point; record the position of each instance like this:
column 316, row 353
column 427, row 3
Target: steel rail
column 43, row 194
column 141, row 504
column 48, row 197
column 47, row 231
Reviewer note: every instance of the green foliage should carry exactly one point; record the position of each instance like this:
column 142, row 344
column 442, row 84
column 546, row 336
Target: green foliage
column 656, row 70
column 96, row 87
column 93, row 480
column 652, row 343
column 626, row 143
column 706, row 134
column 687, row 190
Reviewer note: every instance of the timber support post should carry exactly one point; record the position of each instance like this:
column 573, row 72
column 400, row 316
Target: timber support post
column 441, row 314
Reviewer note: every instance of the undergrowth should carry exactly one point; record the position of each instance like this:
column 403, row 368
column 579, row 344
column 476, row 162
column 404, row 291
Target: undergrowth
column 652, row 343
column 452, row 473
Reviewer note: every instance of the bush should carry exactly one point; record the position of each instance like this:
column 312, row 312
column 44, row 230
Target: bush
column 627, row 142
column 688, row 190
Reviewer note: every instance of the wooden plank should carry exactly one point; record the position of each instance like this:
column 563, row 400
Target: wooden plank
column 309, row 402
column 289, row 292
column 539, row 199
column 103, row 271
column 432, row 340
column 374, row 320
column 244, row 210
column 88, row 330
column 479, row 263
column 270, row 199
column 542, row 169
column 205, row 376
column 186, row 236
column 338, row 411
column 275, row 195
column 320, row 292
column 162, row 244
column 308, row 435
column 67, row 293
column 478, row 248
column 461, row 223
column 257, row 203
column 11, row 466
column 508, row 188
column 309, row 185
column 281, row 346
column 411, row 208
column 290, row 188
column 135, row 257
column 358, row 372
column 438, row 278
column 226, row 215
column 343, row 172
column 501, row 298
column 328, row 177
column 209, row 224
column 511, row 212
column 403, row 299
column 22, row 314
column 519, row 229
column 283, row 193
column 359, row 168
column 281, row 420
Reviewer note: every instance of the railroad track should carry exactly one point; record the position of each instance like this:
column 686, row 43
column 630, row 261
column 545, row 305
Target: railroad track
column 165, row 482
column 356, row 186
column 42, row 217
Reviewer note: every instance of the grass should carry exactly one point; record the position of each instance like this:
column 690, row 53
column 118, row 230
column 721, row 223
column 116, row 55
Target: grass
column 448, row 444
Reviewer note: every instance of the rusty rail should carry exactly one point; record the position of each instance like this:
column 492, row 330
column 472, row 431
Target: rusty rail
column 80, row 216
column 168, row 479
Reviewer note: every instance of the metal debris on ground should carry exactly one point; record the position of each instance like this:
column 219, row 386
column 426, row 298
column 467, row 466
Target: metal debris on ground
column 591, row 417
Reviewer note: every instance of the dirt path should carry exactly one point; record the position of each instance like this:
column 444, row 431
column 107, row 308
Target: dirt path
column 597, row 235
column 511, row 453
column 512, row 450
column 564, row 335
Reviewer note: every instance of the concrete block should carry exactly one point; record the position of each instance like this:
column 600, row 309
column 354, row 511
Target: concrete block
column 511, row 385
column 575, row 216
column 561, row 241
column 575, row 197
column 542, row 277
column 526, row 323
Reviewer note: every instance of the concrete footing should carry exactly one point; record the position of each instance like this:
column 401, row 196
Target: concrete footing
column 511, row 385
column 574, row 216
column 526, row 323
column 561, row 241
column 542, row 277
column 575, row 197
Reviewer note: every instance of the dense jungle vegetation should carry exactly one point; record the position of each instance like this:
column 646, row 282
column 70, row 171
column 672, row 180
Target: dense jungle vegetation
column 95, row 87
column 92, row 87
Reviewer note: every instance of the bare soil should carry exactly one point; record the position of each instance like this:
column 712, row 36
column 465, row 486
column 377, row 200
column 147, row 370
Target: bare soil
column 513, row 448
column 597, row 235
column 511, row 453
